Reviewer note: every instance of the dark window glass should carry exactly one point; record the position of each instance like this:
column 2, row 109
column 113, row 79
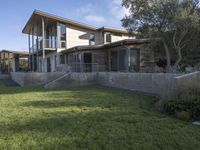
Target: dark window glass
column 62, row 59
column 134, row 60
column 92, row 39
column 108, row 38
column 63, row 32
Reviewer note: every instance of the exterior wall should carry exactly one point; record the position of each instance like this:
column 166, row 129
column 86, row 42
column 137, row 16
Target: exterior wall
column 147, row 61
column 77, row 37
column 115, row 38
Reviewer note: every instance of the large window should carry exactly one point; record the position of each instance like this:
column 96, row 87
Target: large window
column 62, row 32
column 134, row 60
column 108, row 38
column 62, row 59
column 92, row 39
column 119, row 60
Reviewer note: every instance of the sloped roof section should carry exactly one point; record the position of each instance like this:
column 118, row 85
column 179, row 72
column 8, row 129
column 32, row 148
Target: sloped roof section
column 37, row 15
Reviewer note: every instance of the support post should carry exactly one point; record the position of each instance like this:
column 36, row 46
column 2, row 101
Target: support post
column 43, row 45
column 37, row 49
column 33, row 59
column 29, row 48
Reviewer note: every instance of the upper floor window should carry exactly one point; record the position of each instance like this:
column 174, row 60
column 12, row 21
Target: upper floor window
column 108, row 38
column 62, row 32
column 92, row 39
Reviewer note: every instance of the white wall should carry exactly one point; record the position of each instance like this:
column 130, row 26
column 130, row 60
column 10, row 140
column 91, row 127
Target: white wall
column 77, row 36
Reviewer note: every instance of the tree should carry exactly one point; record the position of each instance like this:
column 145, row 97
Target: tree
column 175, row 22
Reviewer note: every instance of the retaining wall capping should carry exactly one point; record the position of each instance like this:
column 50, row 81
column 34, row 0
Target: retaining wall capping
column 163, row 84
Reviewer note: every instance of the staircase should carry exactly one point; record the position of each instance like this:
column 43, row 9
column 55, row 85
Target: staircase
column 55, row 83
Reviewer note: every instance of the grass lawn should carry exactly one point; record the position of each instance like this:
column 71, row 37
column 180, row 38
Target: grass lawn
column 88, row 118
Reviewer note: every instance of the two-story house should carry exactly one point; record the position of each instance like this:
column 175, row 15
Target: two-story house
column 56, row 42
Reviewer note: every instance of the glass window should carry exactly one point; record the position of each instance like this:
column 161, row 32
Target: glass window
column 108, row 38
column 63, row 32
column 134, row 60
column 62, row 59
column 92, row 39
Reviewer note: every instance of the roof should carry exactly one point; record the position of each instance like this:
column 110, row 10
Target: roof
column 125, row 42
column 37, row 14
column 24, row 53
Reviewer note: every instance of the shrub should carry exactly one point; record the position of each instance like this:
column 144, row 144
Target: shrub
column 184, row 115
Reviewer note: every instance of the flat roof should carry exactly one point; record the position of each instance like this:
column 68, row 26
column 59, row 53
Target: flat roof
column 37, row 13
column 111, row 45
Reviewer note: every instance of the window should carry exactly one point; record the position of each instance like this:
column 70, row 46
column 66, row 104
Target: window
column 92, row 39
column 62, row 59
column 62, row 32
column 134, row 60
column 108, row 38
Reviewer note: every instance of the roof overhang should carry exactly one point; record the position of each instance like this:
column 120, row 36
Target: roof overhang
column 20, row 53
column 36, row 18
column 122, row 43
column 38, row 15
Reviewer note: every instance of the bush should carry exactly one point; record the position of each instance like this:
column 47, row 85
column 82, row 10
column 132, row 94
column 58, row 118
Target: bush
column 188, row 101
column 184, row 115
column 187, row 104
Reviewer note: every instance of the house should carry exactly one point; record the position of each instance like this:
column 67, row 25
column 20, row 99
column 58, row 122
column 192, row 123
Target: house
column 57, row 44
column 13, row 61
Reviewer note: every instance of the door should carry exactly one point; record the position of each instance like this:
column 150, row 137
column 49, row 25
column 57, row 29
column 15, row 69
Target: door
column 48, row 64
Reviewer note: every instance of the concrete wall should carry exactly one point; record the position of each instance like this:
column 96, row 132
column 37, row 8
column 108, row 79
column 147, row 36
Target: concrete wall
column 163, row 85
column 188, row 81
column 73, row 79
column 158, row 84
column 33, row 79
column 4, row 76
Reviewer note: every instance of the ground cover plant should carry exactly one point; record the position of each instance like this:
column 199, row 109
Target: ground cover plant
column 88, row 118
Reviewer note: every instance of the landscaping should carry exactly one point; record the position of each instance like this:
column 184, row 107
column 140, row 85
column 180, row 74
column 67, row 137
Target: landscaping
column 89, row 117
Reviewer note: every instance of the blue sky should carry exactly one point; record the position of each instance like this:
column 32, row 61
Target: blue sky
column 15, row 13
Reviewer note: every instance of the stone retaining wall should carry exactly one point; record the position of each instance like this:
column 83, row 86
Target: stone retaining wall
column 153, row 83
column 163, row 85
column 34, row 79
column 4, row 76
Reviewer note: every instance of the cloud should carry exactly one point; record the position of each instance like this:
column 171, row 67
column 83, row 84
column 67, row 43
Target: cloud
column 94, row 18
column 86, row 9
column 117, row 10
column 89, row 13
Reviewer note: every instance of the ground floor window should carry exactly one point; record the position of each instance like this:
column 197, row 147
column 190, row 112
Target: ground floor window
column 134, row 60
column 119, row 60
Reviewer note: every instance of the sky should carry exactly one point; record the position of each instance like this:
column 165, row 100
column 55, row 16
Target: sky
column 15, row 13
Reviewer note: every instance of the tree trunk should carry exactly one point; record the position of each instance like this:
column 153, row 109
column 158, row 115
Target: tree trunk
column 175, row 67
column 168, row 69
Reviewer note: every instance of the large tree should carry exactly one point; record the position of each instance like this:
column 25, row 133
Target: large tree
column 174, row 22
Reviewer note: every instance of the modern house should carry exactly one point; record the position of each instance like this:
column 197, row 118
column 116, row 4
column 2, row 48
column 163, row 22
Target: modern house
column 13, row 61
column 59, row 44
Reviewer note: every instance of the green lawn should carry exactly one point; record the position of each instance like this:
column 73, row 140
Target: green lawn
column 88, row 118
